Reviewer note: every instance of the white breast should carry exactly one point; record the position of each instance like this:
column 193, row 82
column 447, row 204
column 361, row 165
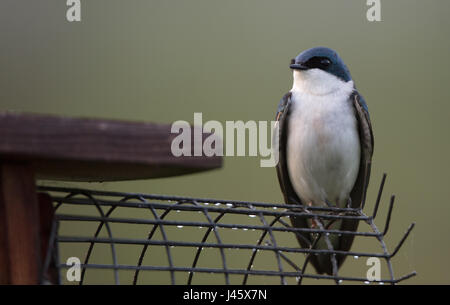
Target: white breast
column 323, row 150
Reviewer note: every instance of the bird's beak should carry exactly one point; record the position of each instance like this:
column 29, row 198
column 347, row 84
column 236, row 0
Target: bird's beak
column 298, row 66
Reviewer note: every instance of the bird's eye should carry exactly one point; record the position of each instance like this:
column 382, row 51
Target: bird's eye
column 318, row 62
column 325, row 62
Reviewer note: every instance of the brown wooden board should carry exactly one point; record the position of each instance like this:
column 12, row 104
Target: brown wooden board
column 75, row 149
column 20, row 253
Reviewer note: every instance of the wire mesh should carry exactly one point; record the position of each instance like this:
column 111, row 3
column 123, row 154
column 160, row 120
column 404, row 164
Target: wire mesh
column 154, row 239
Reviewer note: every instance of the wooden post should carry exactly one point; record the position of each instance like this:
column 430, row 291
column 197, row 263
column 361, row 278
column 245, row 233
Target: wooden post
column 57, row 148
column 19, row 225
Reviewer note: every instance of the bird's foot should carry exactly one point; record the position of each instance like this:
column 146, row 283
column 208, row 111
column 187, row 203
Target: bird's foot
column 329, row 204
column 349, row 202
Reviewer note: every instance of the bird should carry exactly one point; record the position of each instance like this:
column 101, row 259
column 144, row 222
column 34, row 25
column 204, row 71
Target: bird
column 325, row 148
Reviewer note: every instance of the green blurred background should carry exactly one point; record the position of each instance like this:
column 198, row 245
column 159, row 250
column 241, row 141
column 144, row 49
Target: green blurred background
column 161, row 61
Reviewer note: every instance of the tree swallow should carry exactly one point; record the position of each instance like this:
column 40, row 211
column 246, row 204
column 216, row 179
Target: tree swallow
column 325, row 148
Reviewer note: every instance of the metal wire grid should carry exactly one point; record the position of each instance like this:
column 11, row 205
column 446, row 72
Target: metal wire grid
column 272, row 229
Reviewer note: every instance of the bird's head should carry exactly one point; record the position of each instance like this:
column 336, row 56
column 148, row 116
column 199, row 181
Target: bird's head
column 319, row 70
